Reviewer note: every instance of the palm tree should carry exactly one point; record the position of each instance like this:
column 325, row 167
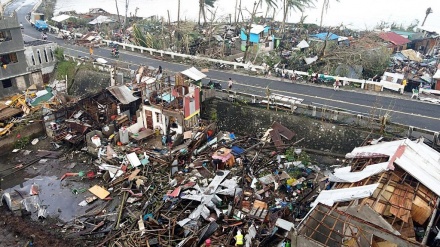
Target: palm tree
column 202, row 4
column 325, row 6
column 289, row 5
column 428, row 11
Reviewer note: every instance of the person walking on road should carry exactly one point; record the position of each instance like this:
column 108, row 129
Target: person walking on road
column 336, row 84
column 230, row 84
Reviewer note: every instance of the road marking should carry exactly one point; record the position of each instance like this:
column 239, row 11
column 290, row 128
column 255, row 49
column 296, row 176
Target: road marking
column 264, row 88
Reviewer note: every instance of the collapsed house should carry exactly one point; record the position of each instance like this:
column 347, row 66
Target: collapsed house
column 387, row 197
column 168, row 109
column 68, row 120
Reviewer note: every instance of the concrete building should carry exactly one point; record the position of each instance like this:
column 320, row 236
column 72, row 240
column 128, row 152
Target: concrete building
column 18, row 72
column 40, row 56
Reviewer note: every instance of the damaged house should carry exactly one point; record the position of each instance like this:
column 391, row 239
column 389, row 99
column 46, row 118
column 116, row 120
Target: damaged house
column 170, row 109
column 69, row 120
column 387, row 197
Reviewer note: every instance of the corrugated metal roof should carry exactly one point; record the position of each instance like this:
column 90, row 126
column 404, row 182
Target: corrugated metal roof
column 418, row 159
column 302, row 44
column 257, row 29
column 194, row 74
column 329, row 197
column 344, row 175
column 61, row 18
column 394, row 38
column 123, row 94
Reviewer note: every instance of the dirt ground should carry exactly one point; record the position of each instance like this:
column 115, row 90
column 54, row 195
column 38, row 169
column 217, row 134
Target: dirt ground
column 15, row 230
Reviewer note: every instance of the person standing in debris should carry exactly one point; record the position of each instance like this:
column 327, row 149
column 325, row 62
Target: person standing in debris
column 91, row 51
column 159, row 73
column 239, row 238
column 230, row 84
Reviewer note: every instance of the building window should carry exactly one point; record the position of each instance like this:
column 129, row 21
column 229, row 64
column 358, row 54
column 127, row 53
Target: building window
column 7, row 83
column 51, row 53
column 5, row 35
column 39, row 56
column 158, row 117
column 33, row 59
column 45, row 56
column 8, row 58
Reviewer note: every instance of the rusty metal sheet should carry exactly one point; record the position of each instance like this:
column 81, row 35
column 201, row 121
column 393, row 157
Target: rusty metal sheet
column 283, row 131
column 276, row 138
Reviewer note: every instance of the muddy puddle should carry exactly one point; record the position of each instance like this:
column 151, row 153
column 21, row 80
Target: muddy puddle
column 59, row 198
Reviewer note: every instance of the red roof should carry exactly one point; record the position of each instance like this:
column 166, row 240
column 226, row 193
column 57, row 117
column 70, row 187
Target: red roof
column 394, row 38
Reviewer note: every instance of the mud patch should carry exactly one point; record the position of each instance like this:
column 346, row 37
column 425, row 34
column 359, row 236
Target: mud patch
column 58, row 196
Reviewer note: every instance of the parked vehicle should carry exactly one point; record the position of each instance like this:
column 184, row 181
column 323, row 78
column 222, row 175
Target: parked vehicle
column 41, row 26
column 213, row 84
column 34, row 17
column 326, row 79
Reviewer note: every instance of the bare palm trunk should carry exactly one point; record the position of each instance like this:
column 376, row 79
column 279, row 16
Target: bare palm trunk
column 200, row 11
column 248, row 32
column 126, row 11
column 322, row 13
column 235, row 13
column 117, row 11
column 178, row 14
column 285, row 11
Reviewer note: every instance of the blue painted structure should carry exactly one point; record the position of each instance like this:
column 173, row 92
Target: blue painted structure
column 254, row 37
column 323, row 36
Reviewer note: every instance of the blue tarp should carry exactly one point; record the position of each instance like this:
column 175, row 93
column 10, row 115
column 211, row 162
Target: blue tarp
column 167, row 97
column 236, row 150
column 323, row 36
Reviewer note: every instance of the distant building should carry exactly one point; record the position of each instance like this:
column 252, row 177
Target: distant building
column 16, row 73
column 260, row 36
column 394, row 41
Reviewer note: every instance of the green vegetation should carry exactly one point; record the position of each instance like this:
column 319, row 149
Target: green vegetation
column 59, row 54
column 22, row 142
column 65, row 68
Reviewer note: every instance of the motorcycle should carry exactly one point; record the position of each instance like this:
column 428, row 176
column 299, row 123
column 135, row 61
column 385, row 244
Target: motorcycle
column 115, row 54
column 215, row 85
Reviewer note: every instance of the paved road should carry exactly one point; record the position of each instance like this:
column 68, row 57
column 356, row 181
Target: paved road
column 401, row 109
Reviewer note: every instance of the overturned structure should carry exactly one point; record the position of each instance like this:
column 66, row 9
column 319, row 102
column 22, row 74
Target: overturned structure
column 387, row 197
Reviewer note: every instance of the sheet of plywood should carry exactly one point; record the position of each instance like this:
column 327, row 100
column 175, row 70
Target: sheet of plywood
column 401, row 202
column 385, row 244
column 420, row 210
column 100, row 192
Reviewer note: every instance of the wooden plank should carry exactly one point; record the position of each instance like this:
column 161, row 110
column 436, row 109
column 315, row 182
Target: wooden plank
column 401, row 202
column 100, row 192
column 420, row 210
